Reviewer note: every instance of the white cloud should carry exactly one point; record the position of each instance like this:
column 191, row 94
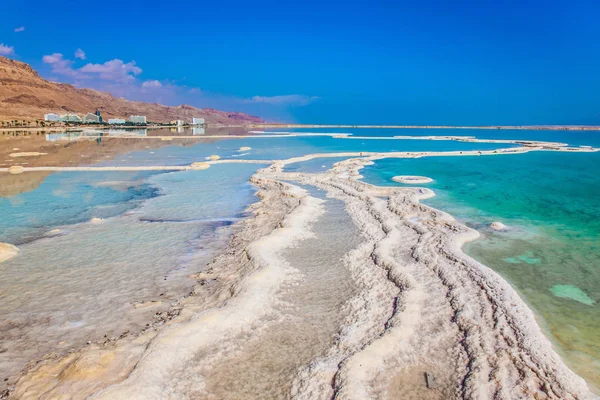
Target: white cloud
column 52, row 58
column 113, row 70
column 20, row 29
column 151, row 84
column 60, row 65
column 80, row 54
column 6, row 50
column 287, row 100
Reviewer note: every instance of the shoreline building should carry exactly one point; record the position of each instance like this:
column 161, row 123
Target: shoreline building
column 51, row 117
column 70, row 118
column 177, row 122
column 138, row 119
column 99, row 116
column 197, row 121
column 91, row 118
column 116, row 121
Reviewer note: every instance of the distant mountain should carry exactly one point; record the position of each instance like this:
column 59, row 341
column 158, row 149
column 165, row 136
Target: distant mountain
column 24, row 95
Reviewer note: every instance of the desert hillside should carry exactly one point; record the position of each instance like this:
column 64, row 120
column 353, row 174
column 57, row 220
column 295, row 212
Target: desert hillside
column 24, row 95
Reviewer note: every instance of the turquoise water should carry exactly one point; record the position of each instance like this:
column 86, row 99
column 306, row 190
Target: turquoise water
column 69, row 198
column 551, row 251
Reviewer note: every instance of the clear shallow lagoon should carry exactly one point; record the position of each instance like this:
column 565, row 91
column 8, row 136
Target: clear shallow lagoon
column 75, row 280
column 80, row 283
column 287, row 147
column 551, row 251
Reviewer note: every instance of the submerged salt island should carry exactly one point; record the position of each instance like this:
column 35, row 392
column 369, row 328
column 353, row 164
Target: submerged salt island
column 305, row 265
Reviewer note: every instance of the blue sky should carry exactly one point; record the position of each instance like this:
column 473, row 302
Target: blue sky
column 418, row 62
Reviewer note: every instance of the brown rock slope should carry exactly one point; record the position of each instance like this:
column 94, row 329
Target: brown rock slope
column 24, row 95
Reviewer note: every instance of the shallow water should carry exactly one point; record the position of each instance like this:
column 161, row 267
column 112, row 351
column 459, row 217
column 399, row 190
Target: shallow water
column 551, row 204
column 315, row 165
column 283, row 148
column 85, row 281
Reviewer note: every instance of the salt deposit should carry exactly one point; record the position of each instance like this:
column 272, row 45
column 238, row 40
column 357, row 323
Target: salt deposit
column 7, row 251
column 27, row 154
column 497, row 226
column 412, row 179
column 16, row 169
column 200, row 166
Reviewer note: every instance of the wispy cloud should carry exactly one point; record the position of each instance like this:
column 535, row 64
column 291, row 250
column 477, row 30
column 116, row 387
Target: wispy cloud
column 80, row 54
column 284, row 100
column 20, row 29
column 6, row 50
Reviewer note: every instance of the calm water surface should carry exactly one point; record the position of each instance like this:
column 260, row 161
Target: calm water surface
column 159, row 228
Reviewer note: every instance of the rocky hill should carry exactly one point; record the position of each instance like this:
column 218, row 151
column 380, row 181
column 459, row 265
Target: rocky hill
column 24, row 95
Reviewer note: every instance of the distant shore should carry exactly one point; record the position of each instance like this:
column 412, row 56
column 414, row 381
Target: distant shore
column 79, row 128
column 490, row 127
column 320, row 126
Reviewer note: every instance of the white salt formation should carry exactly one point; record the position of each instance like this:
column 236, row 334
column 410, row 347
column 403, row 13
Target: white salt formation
column 7, row 251
column 497, row 226
column 412, row 179
column 27, row 154
column 200, row 166
column 16, row 169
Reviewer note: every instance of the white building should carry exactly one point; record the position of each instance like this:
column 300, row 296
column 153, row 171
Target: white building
column 70, row 118
column 116, row 121
column 138, row 119
column 91, row 118
column 177, row 122
column 51, row 117
column 197, row 121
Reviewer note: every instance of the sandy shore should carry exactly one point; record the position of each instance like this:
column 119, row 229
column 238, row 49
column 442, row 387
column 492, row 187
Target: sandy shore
column 424, row 320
